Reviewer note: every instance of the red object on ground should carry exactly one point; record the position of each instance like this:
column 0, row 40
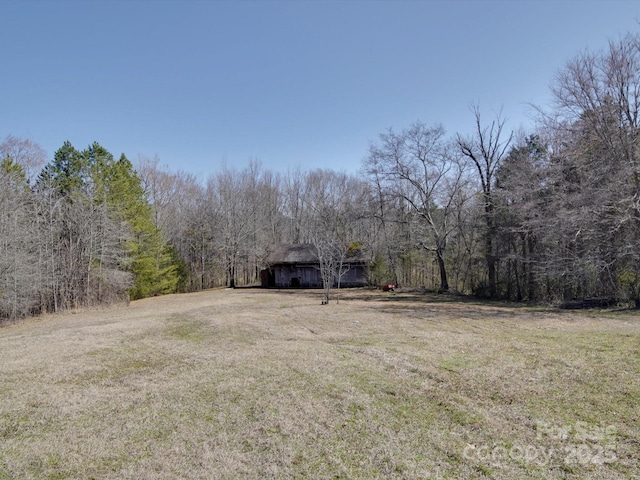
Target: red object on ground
column 388, row 288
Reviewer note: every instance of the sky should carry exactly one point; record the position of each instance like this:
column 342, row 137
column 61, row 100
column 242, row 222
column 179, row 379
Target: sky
column 291, row 84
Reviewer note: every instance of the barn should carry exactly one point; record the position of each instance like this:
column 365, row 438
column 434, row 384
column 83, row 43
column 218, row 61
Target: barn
column 297, row 266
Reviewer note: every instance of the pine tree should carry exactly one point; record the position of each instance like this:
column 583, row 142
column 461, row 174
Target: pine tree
column 150, row 257
column 67, row 172
column 101, row 231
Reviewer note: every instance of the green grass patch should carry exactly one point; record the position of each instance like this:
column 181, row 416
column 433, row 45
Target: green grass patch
column 188, row 330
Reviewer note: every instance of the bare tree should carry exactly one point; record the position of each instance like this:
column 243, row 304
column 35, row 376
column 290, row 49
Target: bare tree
column 522, row 198
column 247, row 220
column 19, row 280
column 30, row 156
column 416, row 166
column 596, row 122
column 294, row 207
column 165, row 191
column 485, row 150
column 334, row 201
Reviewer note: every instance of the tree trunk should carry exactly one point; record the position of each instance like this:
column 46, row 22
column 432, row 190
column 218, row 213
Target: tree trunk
column 491, row 265
column 444, row 283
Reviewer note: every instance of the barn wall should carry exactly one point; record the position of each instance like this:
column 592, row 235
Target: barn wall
column 305, row 276
column 356, row 276
column 297, row 276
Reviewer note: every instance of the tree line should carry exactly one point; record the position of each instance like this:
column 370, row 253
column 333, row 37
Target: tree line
column 548, row 215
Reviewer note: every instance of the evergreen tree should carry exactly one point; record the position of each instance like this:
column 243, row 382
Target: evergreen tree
column 67, row 172
column 150, row 258
column 101, row 235
column 13, row 171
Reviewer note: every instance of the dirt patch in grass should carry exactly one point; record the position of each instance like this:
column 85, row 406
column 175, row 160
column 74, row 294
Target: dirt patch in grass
column 255, row 384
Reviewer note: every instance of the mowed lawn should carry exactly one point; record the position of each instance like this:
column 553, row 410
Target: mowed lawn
column 267, row 384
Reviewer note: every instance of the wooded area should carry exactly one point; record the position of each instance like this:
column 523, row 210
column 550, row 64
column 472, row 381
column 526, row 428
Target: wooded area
column 548, row 215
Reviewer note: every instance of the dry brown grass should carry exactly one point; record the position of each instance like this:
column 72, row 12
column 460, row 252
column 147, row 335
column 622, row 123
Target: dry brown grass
column 266, row 384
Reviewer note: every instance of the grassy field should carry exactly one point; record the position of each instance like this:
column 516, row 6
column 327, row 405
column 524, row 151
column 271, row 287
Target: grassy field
column 267, row 384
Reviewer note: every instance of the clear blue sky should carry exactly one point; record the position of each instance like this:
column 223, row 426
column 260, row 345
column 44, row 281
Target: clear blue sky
column 290, row 83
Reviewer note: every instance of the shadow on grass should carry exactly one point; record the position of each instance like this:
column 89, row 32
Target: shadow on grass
column 400, row 297
column 410, row 298
column 426, row 297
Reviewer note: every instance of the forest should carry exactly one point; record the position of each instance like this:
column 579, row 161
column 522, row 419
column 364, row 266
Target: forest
column 550, row 215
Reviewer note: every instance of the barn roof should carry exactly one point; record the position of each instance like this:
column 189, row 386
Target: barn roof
column 298, row 253
column 302, row 253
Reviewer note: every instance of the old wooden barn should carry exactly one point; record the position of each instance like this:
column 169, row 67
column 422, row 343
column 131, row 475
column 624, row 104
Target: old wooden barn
column 297, row 266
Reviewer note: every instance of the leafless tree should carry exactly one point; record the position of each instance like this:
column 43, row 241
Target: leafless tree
column 334, row 202
column 19, row 285
column 522, row 207
column 247, row 219
column 596, row 119
column 30, row 156
column 417, row 166
column 485, row 150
